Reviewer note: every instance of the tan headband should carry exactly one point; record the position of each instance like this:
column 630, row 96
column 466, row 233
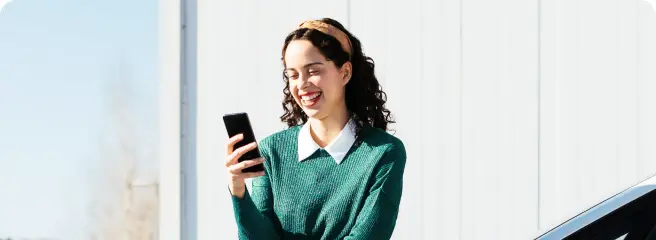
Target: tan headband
column 330, row 30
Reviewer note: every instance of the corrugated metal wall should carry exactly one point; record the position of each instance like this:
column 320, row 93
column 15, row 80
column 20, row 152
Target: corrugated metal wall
column 516, row 114
column 598, row 108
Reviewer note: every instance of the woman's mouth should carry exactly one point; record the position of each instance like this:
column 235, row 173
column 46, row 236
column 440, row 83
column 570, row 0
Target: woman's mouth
column 310, row 99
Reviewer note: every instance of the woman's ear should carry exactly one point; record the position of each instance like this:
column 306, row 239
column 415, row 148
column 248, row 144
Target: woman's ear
column 347, row 72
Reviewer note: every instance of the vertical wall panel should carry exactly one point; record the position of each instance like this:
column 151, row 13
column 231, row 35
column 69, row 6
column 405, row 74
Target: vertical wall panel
column 440, row 115
column 369, row 21
column 550, row 40
column 169, row 120
column 596, row 103
column 646, row 85
column 499, row 119
column 627, row 92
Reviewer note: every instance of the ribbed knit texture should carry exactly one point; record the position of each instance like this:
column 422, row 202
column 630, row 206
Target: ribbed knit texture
column 320, row 199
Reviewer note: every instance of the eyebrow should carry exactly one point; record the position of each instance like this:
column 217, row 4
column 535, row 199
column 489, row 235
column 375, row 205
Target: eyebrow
column 306, row 65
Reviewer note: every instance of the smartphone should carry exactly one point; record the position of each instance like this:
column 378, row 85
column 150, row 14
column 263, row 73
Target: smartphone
column 237, row 123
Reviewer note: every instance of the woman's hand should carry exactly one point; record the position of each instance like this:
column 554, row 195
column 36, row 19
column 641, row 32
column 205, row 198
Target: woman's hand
column 236, row 178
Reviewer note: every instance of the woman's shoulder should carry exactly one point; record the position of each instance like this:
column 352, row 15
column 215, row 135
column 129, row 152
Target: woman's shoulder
column 382, row 140
column 388, row 149
column 377, row 137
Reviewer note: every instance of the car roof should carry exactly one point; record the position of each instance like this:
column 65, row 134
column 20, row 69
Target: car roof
column 605, row 207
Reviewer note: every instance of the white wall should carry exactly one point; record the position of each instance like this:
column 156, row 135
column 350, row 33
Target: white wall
column 598, row 108
column 169, row 120
column 516, row 114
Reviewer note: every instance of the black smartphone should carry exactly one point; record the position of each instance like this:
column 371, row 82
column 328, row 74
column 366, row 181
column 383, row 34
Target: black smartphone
column 237, row 123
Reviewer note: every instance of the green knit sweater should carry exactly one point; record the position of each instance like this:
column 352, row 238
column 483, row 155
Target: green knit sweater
column 320, row 199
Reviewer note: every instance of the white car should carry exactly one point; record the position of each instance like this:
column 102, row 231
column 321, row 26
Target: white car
column 629, row 215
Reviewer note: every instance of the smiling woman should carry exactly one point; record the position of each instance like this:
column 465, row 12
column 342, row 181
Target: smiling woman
column 335, row 173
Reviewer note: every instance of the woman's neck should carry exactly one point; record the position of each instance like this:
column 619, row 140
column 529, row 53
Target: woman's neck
column 325, row 130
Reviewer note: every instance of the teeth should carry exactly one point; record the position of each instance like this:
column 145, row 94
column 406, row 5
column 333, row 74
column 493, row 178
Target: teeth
column 310, row 97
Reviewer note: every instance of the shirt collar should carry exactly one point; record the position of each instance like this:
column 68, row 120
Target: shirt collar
column 337, row 148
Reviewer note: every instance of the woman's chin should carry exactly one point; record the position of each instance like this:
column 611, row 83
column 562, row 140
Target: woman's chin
column 312, row 108
column 311, row 113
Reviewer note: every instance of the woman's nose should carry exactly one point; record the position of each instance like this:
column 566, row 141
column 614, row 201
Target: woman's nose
column 304, row 81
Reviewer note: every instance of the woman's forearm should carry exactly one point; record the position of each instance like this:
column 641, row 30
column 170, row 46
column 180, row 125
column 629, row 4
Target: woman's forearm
column 254, row 222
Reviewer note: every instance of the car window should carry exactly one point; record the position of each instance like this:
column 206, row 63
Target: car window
column 635, row 220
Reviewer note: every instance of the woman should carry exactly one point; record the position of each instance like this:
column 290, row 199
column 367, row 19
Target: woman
column 335, row 173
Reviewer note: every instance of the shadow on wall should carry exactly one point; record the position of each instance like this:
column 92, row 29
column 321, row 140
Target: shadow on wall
column 125, row 190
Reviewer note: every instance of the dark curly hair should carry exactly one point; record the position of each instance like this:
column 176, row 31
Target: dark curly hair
column 365, row 98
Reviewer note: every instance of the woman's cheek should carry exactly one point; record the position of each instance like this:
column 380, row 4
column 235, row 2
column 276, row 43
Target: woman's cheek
column 293, row 87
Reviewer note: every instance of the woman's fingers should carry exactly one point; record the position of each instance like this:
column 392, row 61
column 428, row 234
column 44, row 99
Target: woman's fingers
column 237, row 168
column 232, row 141
column 232, row 157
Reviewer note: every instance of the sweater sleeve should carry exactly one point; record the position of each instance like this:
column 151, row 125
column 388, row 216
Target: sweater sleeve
column 254, row 213
column 379, row 213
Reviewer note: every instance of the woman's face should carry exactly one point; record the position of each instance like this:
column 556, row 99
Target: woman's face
column 316, row 84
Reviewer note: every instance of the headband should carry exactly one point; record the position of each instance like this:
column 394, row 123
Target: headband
column 329, row 30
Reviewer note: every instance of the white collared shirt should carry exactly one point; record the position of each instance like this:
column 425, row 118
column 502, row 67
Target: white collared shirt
column 337, row 148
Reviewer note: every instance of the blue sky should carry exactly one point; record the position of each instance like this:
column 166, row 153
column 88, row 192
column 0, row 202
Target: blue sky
column 57, row 61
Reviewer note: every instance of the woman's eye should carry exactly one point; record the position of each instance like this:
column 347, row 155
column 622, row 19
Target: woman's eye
column 291, row 75
column 314, row 72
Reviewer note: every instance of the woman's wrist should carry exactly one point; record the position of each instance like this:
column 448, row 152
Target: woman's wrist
column 237, row 191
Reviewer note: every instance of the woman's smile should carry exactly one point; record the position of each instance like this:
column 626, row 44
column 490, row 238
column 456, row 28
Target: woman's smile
column 310, row 99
